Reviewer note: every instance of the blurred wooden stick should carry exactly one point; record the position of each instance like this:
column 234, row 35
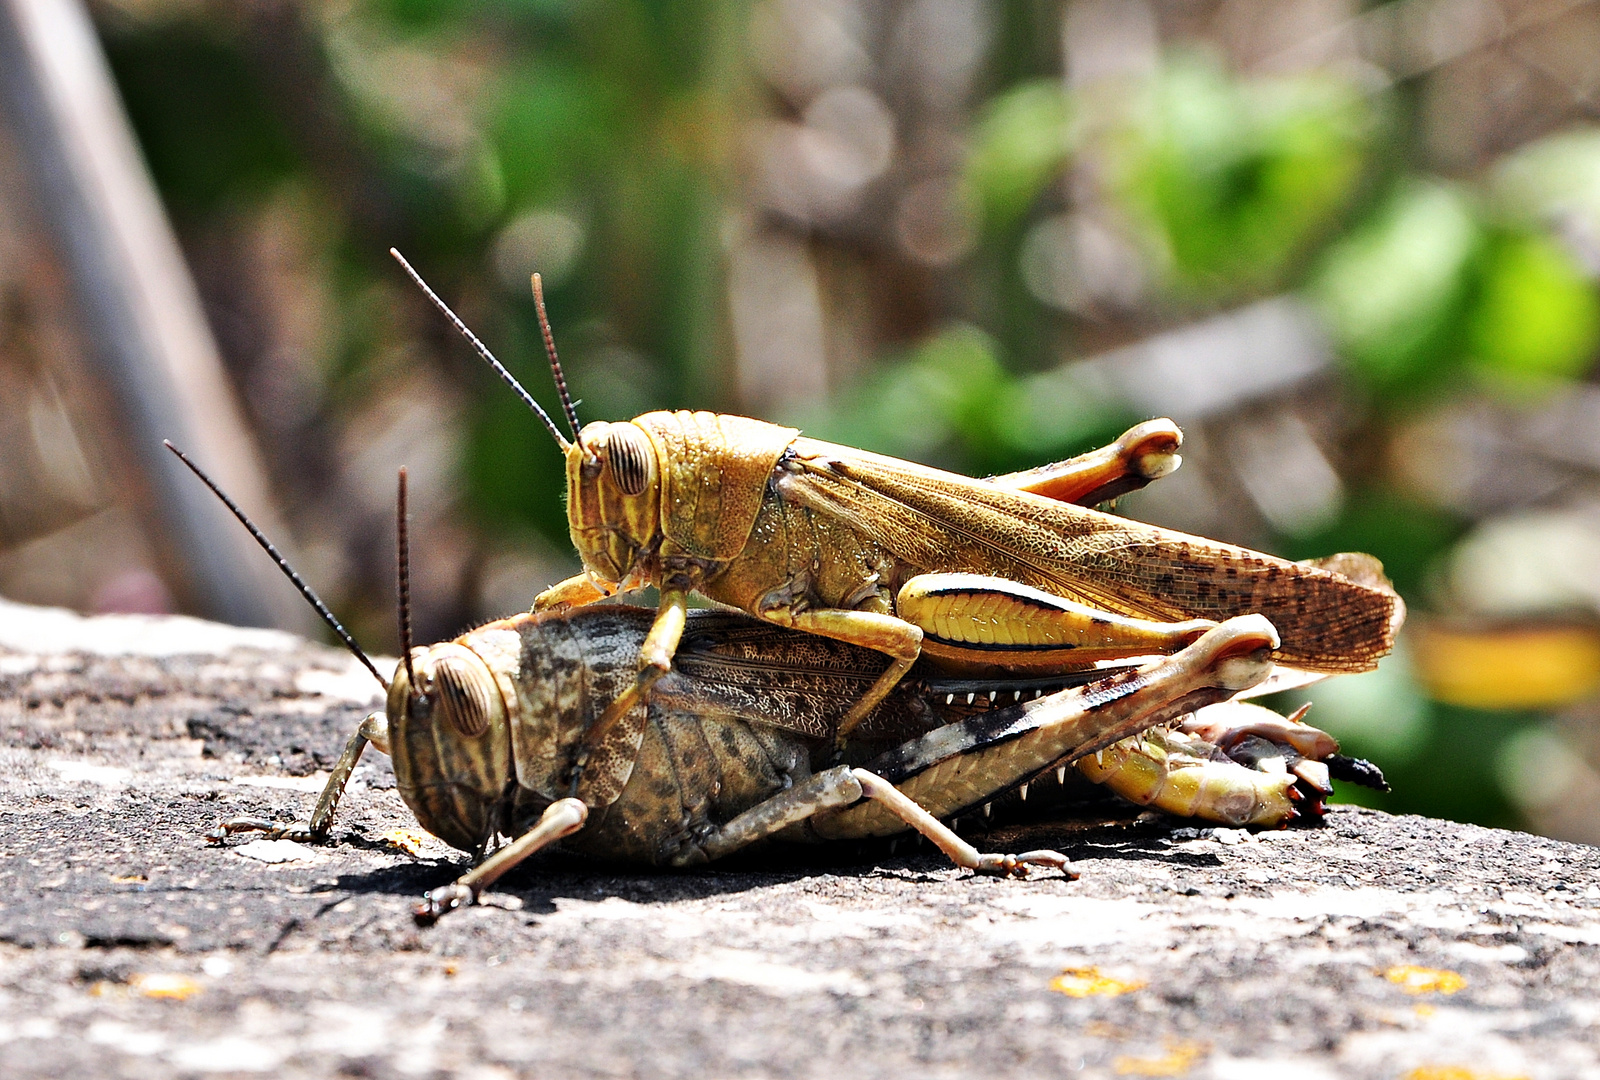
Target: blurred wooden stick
column 140, row 312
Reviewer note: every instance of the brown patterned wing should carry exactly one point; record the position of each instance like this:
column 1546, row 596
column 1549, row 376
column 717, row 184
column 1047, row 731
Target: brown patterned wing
column 941, row 522
column 731, row 664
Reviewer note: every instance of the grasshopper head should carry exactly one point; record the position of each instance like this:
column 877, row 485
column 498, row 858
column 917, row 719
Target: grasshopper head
column 451, row 744
column 613, row 497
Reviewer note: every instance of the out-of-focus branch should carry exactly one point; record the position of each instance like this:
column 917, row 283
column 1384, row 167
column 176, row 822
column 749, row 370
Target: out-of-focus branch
column 139, row 308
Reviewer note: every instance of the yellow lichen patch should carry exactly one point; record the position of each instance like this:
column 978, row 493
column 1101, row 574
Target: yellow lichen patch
column 1421, row 980
column 165, row 985
column 409, row 841
column 1177, row 1061
column 1455, row 1072
column 1088, row 982
column 1521, row 668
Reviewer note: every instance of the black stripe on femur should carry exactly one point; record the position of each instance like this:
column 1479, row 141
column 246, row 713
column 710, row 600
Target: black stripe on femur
column 996, row 647
column 629, row 452
column 1023, row 596
column 465, row 700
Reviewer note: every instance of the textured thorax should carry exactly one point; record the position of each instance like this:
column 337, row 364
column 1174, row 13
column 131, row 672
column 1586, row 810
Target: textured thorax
column 558, row 673
column 815, row 560
column 714, row 471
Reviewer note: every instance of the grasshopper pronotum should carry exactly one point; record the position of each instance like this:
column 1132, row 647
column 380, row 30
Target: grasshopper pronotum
column 1000, row 575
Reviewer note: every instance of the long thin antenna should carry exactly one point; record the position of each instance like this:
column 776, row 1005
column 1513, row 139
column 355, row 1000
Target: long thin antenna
column 403, row 553
column 555, row 361
column 483, row 351
column 283, row 564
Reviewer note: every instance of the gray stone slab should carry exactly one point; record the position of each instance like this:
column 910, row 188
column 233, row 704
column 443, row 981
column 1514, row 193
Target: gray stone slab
column 129, row 947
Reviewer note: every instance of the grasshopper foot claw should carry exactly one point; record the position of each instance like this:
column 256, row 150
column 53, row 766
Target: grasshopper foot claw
column 1020, row 866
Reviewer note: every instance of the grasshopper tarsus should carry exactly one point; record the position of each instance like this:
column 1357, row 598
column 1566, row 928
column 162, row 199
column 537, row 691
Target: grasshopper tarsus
column 275, row 830
column 1021, row 866
column 225, row 829
column 437, row 903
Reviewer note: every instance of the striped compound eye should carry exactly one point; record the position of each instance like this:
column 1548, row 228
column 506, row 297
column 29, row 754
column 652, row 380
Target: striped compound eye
column 464, row 697
column 631, row 457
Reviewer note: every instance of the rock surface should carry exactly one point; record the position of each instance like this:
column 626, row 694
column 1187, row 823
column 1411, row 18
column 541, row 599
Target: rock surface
column 1376, row 946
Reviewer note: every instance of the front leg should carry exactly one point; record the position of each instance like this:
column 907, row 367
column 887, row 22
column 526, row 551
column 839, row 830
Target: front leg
column 655, row 660
column 560, row 819
column 576, row 591
column 375, row 730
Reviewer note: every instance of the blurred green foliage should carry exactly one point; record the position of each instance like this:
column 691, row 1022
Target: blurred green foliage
column 1235, row 178
column 1535, row 317
column 1018, row 147
column 1394, row 289
column 951, row 402
column 208, row 132
column 1426, row 286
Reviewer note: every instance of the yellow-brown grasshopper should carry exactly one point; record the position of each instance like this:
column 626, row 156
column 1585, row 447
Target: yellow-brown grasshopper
column 1004, row 574
column 737, row 742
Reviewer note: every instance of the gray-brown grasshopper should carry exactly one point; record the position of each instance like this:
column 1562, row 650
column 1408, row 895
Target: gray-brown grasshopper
column 1001, row 575
column 736, row 743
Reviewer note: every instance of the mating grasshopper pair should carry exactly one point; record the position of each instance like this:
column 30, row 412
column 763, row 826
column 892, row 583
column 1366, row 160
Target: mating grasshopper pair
column 1014, row 573
column 534, row 726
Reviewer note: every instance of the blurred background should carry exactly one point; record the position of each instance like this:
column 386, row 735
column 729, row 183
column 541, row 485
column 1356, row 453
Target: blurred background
column 1352, row 249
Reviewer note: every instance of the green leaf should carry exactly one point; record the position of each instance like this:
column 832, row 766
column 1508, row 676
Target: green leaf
column 1393, row 291
column 1020, row 145
column 1536, row 316
column 1233, row 180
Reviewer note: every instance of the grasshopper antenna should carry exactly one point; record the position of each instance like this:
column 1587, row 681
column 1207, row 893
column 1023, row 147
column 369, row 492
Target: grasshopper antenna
column 283, row 564
column 403, row 556
column 483, row 351
column 555, row 361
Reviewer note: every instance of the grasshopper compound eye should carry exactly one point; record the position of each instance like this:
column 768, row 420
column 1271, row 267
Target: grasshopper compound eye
column 466, row 693
column 632, row 459
column 454, row 690
column 619, row 456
